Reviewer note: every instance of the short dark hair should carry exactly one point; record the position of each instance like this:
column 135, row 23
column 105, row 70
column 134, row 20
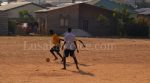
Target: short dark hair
column 51, row 32
column 69, row 30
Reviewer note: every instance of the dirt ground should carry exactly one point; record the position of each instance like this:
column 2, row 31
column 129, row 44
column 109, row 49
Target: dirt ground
column 104, row 60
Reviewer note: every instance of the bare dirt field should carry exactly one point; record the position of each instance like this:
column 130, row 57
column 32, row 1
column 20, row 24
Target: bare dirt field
column 104, row 60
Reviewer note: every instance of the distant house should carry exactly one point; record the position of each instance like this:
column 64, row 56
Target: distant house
column 78, row 16
column 110, row 4
column 144, row 14
column 12, row 11
column 143, row 11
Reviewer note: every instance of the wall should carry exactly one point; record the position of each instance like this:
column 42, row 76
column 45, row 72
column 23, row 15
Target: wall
column 3, row 23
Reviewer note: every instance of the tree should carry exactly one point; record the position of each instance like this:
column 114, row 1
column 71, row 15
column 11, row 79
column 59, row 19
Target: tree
column 25, row 16
column 123, row 18
column 103, row 20
column 128, row 25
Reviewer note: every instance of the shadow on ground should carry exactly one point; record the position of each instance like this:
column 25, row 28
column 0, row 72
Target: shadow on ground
column 83, row 73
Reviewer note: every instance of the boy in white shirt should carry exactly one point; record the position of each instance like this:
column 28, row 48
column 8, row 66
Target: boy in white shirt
column 70, row 47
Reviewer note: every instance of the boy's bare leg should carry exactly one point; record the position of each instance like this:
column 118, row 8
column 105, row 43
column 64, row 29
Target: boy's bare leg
column 64, row 63
column 60, row 55
column 76, row 62
column 53, row 54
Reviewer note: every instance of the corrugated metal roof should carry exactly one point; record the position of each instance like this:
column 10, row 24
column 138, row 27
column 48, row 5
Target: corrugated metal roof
column 141, row 10
column 58, row 7
column 110, row 4
column 144, row 11
column 93, row 2
column 13, row 5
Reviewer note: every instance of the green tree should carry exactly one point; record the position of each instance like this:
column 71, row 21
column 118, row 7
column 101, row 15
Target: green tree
column 103, row 20
column 128, row 25
column 123, row 19
column 25, row 16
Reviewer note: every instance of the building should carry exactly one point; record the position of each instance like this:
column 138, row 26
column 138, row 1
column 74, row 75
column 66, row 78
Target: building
column 3, row 23
column 144, row 15
column 13, row 9
column 110, row 4
column 11, row 12
column 76, row 15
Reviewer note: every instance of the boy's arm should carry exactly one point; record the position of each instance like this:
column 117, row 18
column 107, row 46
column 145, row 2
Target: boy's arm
column 63, row 45
column 61, row 39
column 81, row 43
column 76, row 46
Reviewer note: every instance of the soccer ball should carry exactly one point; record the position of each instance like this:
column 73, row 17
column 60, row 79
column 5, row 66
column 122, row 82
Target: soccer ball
column 47, row 60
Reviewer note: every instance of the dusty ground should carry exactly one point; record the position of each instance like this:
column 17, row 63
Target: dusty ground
column 22, row 60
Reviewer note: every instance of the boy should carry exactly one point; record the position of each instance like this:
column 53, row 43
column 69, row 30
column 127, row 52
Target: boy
column 56, row 40
column 70, row 47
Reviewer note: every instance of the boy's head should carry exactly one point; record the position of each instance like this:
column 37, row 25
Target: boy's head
column 69, row 30
column 51, row 32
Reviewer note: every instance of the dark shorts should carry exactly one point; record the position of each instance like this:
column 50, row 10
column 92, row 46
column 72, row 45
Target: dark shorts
column 55, row 48
column 68, row 52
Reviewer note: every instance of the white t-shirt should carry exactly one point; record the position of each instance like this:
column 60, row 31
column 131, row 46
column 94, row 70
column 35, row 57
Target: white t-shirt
column 25, row 25
column 69, row 39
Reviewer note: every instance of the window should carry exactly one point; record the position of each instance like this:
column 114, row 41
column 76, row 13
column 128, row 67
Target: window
column 64, row 21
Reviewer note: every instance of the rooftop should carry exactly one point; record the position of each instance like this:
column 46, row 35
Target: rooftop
column 58, row 7
column 62, row 5
column 143, row 11
column 13, row 5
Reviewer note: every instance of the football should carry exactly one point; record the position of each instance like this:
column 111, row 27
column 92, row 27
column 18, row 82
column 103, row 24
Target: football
column 47, row 60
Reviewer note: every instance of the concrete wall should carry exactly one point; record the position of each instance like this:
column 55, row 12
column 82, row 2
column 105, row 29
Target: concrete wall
column 14, row 13
column 3, row 23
